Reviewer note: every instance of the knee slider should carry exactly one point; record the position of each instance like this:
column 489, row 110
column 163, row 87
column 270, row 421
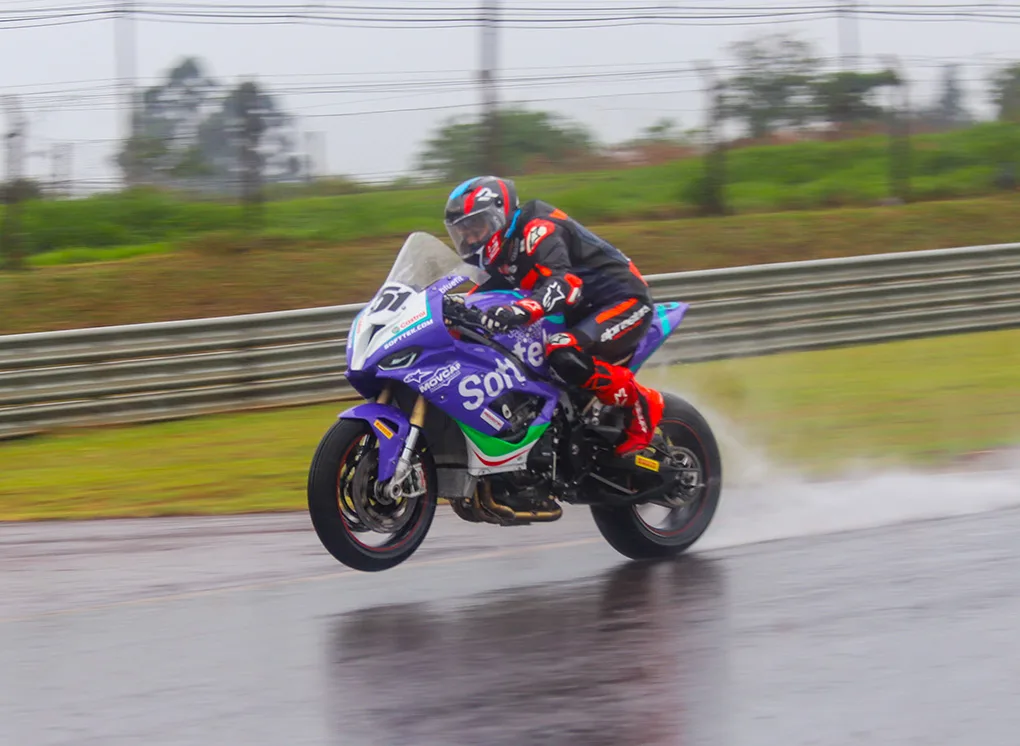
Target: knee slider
column 572, row 365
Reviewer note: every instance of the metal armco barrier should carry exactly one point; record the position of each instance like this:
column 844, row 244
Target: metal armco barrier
column 144, row 372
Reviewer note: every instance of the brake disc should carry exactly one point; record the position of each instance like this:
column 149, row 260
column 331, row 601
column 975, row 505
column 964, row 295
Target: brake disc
column 375, row 511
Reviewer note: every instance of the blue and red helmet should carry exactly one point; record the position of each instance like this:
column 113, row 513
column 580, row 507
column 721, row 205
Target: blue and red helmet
column 477, row 214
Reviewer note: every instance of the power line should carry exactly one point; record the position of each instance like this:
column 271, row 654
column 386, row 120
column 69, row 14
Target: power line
column 406, row 77
column 516, row 17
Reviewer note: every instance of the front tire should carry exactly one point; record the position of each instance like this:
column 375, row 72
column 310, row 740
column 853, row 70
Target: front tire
column 624, row 527
column 345, row 510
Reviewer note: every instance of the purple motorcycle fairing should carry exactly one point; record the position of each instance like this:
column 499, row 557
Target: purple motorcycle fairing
column 446, row 364
column 667, row 318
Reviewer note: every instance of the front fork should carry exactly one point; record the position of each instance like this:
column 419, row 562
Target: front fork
column 395, row 487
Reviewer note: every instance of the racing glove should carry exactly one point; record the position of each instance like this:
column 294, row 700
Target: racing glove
column 511, row 315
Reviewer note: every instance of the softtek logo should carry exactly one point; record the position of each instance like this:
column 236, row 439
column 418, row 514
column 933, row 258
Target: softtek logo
column 441, row 379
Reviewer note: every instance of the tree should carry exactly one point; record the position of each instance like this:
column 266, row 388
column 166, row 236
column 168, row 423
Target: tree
column 847, row 97
column 1005, row 92
column 191, row 131
column 949, row 110
column 166, row 124
column 662, row 130
column 773, row 88
column 455, row 151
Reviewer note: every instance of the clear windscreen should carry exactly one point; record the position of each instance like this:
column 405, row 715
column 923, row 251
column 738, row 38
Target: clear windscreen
column 423, row 259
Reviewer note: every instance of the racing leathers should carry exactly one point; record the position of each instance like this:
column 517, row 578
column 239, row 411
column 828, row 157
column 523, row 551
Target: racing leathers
column 604, row 300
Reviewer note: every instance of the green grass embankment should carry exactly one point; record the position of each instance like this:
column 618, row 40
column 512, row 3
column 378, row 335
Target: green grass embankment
column 799, row 176
column 279, row 274
column 916, row 403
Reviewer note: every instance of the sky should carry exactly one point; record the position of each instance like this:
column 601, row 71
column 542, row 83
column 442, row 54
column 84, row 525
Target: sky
column 329, row 76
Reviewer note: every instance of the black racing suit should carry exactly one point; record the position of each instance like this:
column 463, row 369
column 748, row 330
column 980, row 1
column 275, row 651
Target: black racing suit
column 568, row 269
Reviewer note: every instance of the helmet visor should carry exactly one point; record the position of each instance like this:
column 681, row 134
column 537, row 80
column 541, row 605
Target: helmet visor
column 471, row 232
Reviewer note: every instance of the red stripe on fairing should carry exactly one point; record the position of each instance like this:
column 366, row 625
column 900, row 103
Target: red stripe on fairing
column 497, row 462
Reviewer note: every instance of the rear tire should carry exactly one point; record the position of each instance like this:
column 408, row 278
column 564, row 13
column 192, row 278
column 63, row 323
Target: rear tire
column 330, row 476
column 624, row 528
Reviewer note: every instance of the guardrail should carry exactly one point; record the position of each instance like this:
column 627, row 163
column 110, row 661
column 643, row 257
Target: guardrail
column 144, row 372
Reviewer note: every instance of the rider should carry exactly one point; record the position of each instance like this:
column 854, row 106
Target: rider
column 568, row 269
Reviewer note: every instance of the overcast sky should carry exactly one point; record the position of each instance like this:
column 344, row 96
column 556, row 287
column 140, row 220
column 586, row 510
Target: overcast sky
column 71, row 58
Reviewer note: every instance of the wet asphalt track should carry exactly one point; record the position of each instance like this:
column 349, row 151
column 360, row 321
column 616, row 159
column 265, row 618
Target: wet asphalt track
column 243, row 631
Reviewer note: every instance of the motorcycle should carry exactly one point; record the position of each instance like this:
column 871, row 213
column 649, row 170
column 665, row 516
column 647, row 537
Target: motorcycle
column 480, row 419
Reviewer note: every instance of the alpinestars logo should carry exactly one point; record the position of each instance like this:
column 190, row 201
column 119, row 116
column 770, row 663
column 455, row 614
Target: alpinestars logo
column 620, row 397
column 535, row 236
column 619, row 328
column 639, row 414
column 562, row 339
column 553, row 295
column 417, row 377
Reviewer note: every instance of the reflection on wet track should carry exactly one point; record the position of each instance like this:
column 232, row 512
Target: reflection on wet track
column 630, row 657
column 222, row 631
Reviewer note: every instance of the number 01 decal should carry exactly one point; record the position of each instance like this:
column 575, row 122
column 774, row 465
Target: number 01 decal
column 391, row 298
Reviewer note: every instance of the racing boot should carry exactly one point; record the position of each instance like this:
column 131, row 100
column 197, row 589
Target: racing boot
column 615, row 385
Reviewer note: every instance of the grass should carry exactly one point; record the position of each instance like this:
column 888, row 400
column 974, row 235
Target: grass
column 917, row 403
column 84, row 255
column 800, row 176
column 229, row 276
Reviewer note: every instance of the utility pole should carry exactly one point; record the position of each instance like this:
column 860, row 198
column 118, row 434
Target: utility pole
column 60, row 185
column 712, row 195
column 11, row 250
column 309, row 158
column 899, row 134
column 126, row 52
column 315, row 156
column 487, row 79
column 849, row 40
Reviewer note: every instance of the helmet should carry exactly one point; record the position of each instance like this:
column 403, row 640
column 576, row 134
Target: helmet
column 477, row 214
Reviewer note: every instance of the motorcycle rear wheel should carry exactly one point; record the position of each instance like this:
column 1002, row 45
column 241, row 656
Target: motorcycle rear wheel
column 630, row 533
column 344, row 506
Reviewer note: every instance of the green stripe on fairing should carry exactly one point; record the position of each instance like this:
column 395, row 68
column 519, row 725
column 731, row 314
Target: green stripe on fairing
column 496, row 447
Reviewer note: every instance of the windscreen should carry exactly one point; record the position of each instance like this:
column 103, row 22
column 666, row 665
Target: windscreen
column 424, row 259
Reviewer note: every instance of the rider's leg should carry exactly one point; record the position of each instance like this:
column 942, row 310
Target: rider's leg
column 591, row 356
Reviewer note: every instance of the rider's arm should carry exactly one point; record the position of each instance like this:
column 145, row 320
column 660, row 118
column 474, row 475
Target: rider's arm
column 545, row 261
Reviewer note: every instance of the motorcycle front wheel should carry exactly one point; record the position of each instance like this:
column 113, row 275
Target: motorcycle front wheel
column 353, row 516
column 644, row 532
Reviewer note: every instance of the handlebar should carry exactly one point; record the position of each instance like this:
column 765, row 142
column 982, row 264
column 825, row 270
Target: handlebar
column 461, row 314
column 468, row 322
